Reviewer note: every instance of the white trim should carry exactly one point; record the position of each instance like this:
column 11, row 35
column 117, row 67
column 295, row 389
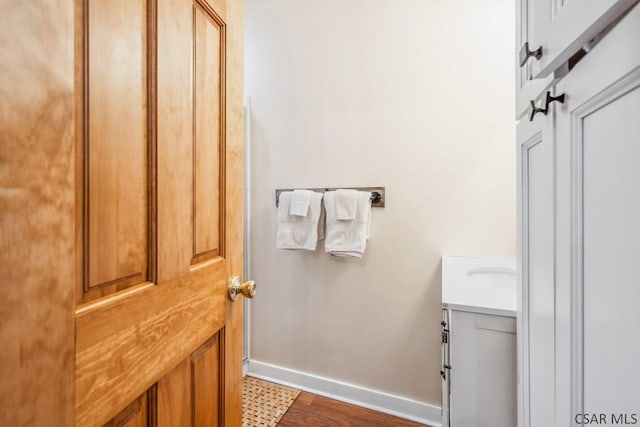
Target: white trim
column 377, row 400
column 577, row 249
column 246, row 259
column 245, row 368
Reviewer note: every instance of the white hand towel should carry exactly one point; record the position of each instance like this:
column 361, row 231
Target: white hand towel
column 346, row 201
column 347, row 238
column 300, row 201
column 321, row 222
column 298, row 232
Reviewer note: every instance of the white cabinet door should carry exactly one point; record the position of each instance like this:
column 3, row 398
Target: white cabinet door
column 536, row 281
column 562, row 27
column 598, row 140
column 483, row 370
column 527, row 88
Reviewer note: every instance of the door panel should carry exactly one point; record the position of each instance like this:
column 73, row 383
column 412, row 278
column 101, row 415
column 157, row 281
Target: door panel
column 611, row 249
column 190, row 393
column 134, row 415
column 175, row 123
column 537, row 283
column 205, row 380
column 540, row 282
column 209, row 136
column 115, row 143
column 174, row 397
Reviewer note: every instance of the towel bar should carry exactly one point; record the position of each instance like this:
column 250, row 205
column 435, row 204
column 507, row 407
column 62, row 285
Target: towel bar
column 377, row 193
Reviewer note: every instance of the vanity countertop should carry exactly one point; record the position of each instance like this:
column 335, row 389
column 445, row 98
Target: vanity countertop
column 480, row 285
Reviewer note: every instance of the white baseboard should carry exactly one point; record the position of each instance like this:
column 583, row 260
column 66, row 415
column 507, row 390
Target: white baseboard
column 245, row 367
column 394, row 405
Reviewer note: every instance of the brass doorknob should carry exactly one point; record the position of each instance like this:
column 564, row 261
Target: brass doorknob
column 248, row 289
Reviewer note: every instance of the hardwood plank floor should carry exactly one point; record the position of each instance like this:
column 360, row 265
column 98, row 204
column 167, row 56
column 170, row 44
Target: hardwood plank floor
column 312, row 410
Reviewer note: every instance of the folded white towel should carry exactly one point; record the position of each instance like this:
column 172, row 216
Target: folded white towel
column 298, row 232
column 300, row 201
column 346, row 201
column 322, row 221
column 347, row 238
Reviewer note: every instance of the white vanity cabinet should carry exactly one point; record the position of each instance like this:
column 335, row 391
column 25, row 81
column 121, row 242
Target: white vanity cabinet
column 579, row 239
column 478, row 342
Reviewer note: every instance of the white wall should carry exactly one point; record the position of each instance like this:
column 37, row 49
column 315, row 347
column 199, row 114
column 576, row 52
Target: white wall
column 413, row 95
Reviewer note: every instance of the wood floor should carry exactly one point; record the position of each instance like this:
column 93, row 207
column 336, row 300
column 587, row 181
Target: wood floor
column 312, row 410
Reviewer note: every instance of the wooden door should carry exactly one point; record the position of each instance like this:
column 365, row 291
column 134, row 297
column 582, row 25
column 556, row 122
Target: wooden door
column 121, row 198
